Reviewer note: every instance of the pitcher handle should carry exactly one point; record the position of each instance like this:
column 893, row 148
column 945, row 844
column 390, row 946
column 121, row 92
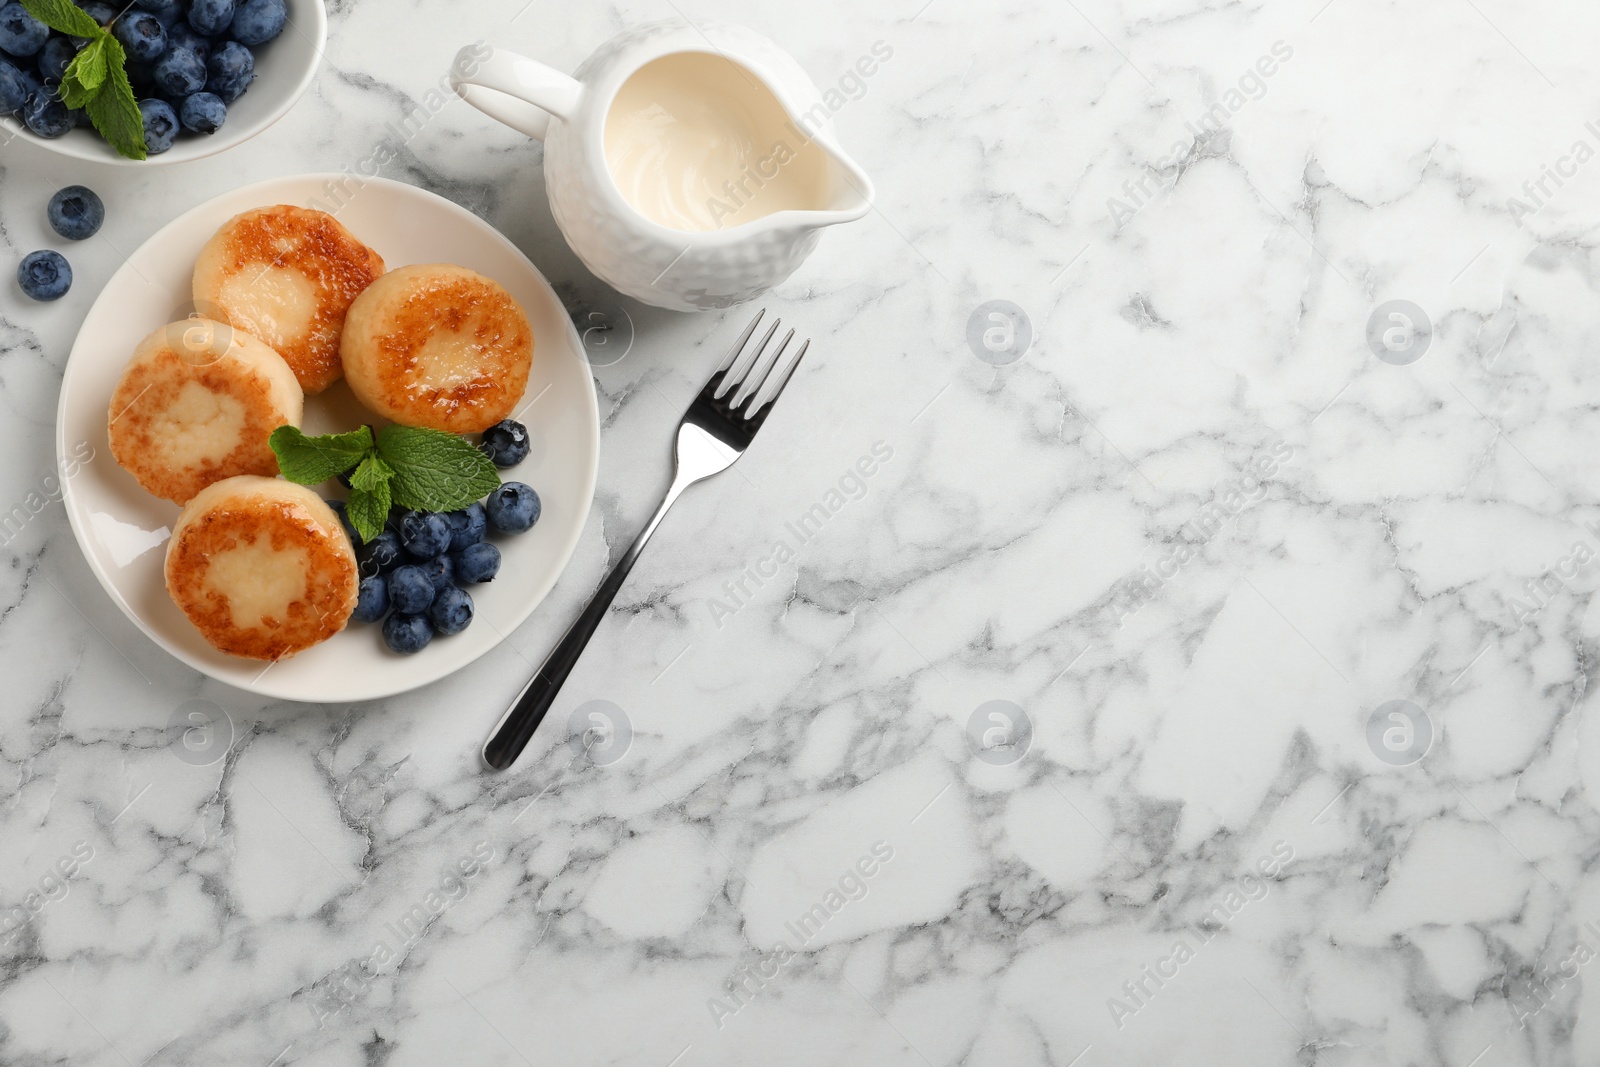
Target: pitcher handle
column 520, row 92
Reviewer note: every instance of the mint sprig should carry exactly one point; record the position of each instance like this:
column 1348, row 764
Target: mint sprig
column 97, row 78
column 429, row 470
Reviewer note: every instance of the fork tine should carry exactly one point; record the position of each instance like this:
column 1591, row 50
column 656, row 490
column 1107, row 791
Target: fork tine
column 779, row 382
column 741, row 366
column 738, row 346
column 760, row 373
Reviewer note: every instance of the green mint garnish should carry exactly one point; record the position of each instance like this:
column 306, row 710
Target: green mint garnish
column 63, row 16
column 435, row 471
column 429, row 470
column 313, row 460
column 97, row 78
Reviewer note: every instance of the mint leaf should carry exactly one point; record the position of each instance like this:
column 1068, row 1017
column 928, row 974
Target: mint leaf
column 312, row 460
column 372, row 473
column 368, row 508
column 113, row 109
column 89, row 68
column 434, row 470
column 65, row 16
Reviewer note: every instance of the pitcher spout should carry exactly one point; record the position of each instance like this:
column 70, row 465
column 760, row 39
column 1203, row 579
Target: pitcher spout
column 847, row 191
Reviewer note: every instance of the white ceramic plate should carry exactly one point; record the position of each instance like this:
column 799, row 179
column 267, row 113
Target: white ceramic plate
column 285, row 68
column 123, row 530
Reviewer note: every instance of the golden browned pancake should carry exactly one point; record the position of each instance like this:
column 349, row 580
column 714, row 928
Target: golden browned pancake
column 261, row 567
column 196, row 404
column 287, row 275
column 437, row 345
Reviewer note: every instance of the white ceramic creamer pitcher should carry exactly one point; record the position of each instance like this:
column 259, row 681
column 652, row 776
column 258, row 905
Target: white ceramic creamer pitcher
column 753, row 229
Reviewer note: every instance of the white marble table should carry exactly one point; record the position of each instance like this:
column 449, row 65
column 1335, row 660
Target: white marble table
column 1197, row 537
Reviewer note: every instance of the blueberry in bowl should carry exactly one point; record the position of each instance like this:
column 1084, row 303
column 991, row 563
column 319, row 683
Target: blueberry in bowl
column 204, row 113
column 160, row 125
column 226, row 69
column 141, row 35
column 20, row 33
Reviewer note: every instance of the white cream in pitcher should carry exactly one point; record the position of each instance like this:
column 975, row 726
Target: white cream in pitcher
column 695, row 143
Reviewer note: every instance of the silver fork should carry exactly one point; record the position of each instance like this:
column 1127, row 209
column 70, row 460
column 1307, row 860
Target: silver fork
column 715, row 431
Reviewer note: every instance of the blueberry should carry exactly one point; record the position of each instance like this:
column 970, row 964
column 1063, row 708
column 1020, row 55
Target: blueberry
column 20, row 33
column 467, row 526
column 211, row 17
column 100, row 11
column 451, row 611
column 76, row 213
column 179, row 73
column 44, row 275
column 205, row 113
column 53, row 60
column 259, row 21
column 372, row 602
column 166, row 12
column 381, row 554
column 46, row 115
column 410, row 589
column 229, row 71
column 505, row 443
column 477, row 563
column 160, row 125
column 142, row 76
column 142, row 34
column 14, row 88
column 406, row 634
column 425, row 534
column 183, row 35
column 513, row 507
column 441, row 572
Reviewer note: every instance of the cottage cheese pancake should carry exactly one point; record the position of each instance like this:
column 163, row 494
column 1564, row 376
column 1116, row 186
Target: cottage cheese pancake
column 438, row 346
column 196, row 404
column 261, row 567
column 287, row 275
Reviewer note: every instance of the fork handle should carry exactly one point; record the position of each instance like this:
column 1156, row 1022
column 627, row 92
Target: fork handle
column 516, row 727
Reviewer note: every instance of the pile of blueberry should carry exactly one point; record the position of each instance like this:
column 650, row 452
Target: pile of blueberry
column 187, row 60
column 413, row 572
column 76, row 214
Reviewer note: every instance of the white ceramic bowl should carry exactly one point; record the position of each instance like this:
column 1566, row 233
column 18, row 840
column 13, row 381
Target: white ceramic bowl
column 122, row 529
column 285, row 68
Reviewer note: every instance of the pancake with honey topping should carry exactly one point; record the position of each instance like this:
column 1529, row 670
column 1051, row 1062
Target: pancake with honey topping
column 439, row 346
column 287, row 275
column 261, row 567
column 196, row 404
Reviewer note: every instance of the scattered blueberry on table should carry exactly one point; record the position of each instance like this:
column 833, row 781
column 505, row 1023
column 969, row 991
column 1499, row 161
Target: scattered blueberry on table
column 44, row 275
column 505, row 443
column 76, row 213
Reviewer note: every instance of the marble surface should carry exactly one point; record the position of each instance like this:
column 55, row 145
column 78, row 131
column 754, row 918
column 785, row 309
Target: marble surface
column 1294, row 752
